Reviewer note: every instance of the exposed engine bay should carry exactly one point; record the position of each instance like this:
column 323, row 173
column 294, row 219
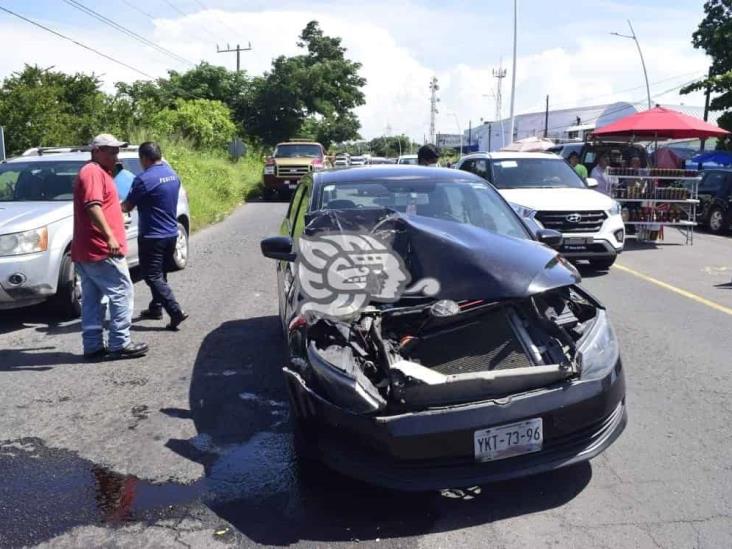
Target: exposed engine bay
column 402, row 357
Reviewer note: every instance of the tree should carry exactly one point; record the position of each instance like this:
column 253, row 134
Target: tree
column 314, row 93
column 391, row 146
column 714, row 36
column 45, row 107
column 207, row 124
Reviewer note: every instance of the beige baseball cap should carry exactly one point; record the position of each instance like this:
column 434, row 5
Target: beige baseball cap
column 106, row 140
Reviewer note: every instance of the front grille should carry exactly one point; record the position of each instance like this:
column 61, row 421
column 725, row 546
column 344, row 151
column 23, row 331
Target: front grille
column 292, row 171
column 487, row 344
column 588, row 222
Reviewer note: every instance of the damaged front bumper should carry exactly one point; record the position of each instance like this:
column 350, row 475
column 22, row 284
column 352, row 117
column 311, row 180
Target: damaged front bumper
column 433, row 449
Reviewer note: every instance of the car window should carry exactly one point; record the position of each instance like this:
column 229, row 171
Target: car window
column 132, row 164
column 302, row 209
column 38, row 181
column 467, row 166
column 532, row 173
column 482, row 168
column 294, row 204
column 712, row 183
column 461, row 200
column 294, row 151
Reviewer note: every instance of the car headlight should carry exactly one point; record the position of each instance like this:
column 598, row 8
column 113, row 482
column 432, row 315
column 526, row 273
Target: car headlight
column 269, row 170
column 599, row 353
column 614, row 209
column 523, row 211
column 27, row 242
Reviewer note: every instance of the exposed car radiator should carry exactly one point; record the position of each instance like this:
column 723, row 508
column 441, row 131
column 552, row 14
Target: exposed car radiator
column 489, row 343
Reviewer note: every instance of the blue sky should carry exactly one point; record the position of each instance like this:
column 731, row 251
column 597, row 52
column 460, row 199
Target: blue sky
column 565, row 49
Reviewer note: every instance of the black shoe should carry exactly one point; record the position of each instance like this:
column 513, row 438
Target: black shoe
column 133, row 350
column 99, row 354
column 151, row 314
column 175, row 320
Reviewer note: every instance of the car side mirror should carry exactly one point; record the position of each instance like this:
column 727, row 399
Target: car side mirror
column 278, row 247
column 591, row 182
column 550, row 237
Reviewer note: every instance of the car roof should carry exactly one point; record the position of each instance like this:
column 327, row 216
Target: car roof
column 299, row 143
column 386, row 171
column 82, row 156
column 512, row 155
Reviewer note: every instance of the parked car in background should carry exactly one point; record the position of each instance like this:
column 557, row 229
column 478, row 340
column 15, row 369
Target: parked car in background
column 715, row 196
column 410, row 159
column 358, row 161
column 548, row 193
column 486, row 377
column 36, row 226
column 342, row 160
column 289, row 162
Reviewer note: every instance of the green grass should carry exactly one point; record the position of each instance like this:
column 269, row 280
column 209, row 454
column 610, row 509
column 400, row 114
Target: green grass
column 215, row 185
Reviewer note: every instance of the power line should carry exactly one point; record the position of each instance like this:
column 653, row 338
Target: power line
column 126, row 31
column 184, row 14
column 138, row 10
column 110, row 58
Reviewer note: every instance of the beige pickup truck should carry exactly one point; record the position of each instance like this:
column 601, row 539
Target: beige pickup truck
column 289, row 162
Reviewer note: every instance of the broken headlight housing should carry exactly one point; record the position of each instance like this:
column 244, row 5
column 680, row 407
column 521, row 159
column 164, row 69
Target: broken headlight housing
column 599, row 352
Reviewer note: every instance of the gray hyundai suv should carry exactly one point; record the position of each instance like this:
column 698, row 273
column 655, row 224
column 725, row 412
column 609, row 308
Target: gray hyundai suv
column 36, row 226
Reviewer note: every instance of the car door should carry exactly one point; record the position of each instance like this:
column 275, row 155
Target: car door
column 709, row 189
column 292, row 226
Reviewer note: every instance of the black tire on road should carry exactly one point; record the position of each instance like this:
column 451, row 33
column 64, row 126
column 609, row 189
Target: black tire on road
column 180, row 255
column 717, row 222
column 602, row 264
column 67, row 301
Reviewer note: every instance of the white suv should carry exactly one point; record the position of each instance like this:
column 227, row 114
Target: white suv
column 548, row 193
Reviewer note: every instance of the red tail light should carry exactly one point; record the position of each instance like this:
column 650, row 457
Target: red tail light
column 317, row 163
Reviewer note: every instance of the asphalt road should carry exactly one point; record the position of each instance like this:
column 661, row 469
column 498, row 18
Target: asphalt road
column 191, row 445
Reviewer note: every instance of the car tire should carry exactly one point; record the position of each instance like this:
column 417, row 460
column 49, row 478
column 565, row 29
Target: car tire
column 602, row 264
column 717, row 222
column 269, row 194
column 67, row 301
column 180, row 255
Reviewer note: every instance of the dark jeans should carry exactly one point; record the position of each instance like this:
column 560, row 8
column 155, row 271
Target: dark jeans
column 156, row 255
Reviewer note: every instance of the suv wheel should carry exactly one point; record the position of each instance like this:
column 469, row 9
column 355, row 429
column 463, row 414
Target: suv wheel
column 180, row 255
column 67, row 300
column 602, row 264
column 717, row 223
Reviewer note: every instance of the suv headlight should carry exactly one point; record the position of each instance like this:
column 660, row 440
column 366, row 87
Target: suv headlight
column 600, row 351
column 27, row 242
column 614, row 209
column 523, row 211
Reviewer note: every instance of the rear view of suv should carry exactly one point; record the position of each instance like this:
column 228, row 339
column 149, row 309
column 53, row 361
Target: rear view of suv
column 546, row 192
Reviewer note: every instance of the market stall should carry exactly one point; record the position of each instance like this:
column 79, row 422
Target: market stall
column 652, row 197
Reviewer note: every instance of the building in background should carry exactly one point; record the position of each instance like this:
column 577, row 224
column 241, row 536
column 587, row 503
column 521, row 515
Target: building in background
column 562, row 125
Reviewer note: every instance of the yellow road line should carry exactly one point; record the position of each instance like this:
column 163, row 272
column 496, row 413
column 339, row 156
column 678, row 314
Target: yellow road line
column 669, row 287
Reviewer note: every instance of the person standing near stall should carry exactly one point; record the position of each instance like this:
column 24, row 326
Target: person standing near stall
column 599, row 173
column 579, row 168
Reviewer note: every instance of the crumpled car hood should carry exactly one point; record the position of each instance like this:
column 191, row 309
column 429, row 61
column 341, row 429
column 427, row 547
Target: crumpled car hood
column 469, row 262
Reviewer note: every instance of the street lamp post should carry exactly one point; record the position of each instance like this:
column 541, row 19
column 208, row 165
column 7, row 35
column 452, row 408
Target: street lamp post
column 633, row 37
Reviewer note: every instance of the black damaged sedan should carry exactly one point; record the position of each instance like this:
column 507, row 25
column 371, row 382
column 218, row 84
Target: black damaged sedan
column 475, row 356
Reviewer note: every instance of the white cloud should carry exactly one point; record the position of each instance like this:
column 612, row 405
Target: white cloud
column 591, row 68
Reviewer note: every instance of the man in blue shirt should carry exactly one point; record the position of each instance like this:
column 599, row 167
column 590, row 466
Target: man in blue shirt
column 155, row 194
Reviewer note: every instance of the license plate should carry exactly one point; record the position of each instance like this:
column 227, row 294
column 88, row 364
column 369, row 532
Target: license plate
column 510, row 440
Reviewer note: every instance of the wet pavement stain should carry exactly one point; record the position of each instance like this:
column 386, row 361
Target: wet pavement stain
column 46, row 491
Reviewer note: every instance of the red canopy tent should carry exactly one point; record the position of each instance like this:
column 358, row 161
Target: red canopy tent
column 660, row 122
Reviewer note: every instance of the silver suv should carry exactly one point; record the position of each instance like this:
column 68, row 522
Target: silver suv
column 36, row 226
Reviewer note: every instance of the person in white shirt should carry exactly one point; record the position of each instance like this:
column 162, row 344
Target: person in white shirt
column 604, row 181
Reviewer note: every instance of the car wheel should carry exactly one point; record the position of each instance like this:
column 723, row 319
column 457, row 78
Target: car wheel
column 717, row 223
column 67, row 300
column 269, row 194
column 180, row 255
column 602, row 264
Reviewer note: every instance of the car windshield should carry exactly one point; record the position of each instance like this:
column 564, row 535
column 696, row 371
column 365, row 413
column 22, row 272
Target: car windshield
column 294, row 151
column 534, row 173
column 38, row 181
column 411, row 161
column 460, row 200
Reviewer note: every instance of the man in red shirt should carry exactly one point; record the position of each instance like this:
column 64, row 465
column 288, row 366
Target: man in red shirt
column 98, row 249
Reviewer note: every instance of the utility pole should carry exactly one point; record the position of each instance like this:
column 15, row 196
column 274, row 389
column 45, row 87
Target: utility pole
column 633, row 37
column 470, row 134
column 490, row 131
column 499, row 74
column 434, row 87
column 238, row 51
column 513, row 72
column 707, row 95
column 546, row 118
